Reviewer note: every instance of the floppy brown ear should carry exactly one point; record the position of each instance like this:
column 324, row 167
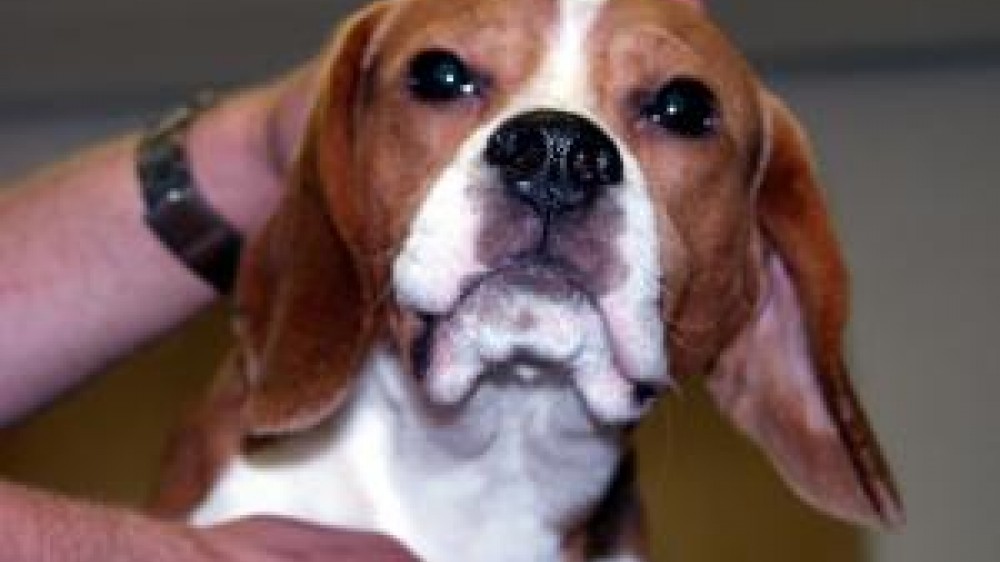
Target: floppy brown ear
column 783, row 380
column 304, row 297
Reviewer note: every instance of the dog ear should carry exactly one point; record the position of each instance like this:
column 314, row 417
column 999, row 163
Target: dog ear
column 305, row 301
column 782, row 380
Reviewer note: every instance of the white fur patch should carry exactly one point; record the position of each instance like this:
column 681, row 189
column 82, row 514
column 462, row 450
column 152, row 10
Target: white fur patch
column 438, row 255
column 498, row 323
column 499, row 479
column 563, row 80
column 633, row 309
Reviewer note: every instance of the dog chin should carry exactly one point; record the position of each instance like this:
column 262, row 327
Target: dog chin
column 532, row 324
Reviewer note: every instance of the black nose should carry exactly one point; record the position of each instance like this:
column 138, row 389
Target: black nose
column 553, row 160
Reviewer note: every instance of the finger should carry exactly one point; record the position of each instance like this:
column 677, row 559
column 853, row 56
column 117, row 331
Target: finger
column 296, row 541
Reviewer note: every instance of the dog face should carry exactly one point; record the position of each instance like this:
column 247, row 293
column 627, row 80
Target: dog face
column 594, row 188
column 554, row 188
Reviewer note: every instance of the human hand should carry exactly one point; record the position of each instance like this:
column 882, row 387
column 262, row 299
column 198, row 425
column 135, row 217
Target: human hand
column 275, row 539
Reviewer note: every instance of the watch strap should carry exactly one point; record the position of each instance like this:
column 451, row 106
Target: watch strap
column 174, row 208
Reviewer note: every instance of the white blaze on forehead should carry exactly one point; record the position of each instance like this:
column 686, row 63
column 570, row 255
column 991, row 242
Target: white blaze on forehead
column 563, row 79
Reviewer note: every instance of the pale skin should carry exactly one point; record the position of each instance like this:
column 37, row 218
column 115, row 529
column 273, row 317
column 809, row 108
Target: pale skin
column 85, row 282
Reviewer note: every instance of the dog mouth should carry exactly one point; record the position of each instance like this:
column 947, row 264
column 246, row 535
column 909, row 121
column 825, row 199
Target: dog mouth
column 531, row 319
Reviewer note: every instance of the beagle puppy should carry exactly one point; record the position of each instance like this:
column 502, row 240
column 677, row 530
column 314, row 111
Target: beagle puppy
column 512, row 224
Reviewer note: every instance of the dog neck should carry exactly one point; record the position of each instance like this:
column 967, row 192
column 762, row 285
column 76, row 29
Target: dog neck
column 504, row 475
column 514, row 466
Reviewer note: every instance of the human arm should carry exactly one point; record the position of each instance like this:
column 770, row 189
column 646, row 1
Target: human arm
column 83, row 280
column 38, row 527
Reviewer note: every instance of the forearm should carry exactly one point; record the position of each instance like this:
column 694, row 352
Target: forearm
column 83, row 280
column 37, row 527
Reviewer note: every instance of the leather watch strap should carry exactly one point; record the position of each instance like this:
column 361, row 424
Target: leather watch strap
column 175, row 210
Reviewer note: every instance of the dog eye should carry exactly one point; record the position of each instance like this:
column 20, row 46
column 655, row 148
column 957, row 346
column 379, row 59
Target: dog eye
column 439, row 76
column 685, row 107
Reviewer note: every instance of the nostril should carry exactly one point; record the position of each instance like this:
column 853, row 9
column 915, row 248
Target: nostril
column 521, row 153
column 593, row 164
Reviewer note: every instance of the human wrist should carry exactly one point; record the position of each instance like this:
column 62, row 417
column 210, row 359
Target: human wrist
column 229, row 152
column 242, row 149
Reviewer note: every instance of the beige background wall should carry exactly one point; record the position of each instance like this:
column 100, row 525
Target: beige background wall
column 904, row 114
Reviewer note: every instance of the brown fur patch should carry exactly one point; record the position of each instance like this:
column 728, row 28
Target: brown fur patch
column 701, row 187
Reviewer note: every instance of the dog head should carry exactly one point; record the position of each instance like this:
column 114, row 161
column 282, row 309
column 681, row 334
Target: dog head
column 599, row 188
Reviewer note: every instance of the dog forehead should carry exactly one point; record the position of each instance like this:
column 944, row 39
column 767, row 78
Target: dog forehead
column 512, row 23
column 661, row 38
column 466, row 25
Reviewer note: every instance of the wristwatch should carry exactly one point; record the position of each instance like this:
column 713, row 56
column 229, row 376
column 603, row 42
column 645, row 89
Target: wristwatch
column 174, row 208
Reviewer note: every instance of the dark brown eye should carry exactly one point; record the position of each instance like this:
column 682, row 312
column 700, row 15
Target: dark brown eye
column 440, row 76
column 685, row 107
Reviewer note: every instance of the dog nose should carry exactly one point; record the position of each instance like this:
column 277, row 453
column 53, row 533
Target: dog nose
column 553, row 160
